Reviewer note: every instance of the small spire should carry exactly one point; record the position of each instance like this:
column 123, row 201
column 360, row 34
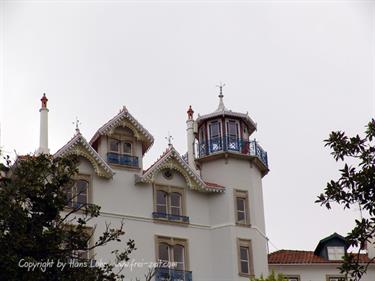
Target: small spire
column 221, row 106
column 190, row 113
column 44, row 101
column 169, row 138
column 77, row 123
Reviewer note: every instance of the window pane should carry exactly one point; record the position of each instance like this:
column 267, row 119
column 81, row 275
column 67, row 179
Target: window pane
column 176, row 211
column 81, row 192
column 175, row 199
column 244, row 253
column 163, row 252
column 161, row 201
column 335, row 253
column 232, row 128
column 127, row 147
column 214, row 129
column 241, row 216
column 114, row 145
column 178, row 256
column 68, row 193
column 244, row 267
column 240, row 204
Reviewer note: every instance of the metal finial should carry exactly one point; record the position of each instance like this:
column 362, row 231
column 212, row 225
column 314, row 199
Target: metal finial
column 221, row 86
column 77, row 123
column 169, row 138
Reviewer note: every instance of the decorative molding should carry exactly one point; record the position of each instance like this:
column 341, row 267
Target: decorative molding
column 125, row 119
column 171, row 159
column 79, row 146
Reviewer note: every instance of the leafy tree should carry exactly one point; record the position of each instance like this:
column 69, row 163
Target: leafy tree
column 271, row 277
column 355, row 187
column 36, row 228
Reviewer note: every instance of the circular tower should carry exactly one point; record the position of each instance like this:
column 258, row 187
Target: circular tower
column 225, row 154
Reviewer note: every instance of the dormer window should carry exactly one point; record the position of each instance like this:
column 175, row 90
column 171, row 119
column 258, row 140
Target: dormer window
column 335, row 253
column 120, row 152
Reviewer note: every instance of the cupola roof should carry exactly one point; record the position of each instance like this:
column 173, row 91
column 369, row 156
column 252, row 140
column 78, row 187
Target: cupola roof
column 223, row 111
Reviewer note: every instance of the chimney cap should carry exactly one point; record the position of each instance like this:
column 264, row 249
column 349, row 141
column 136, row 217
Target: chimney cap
column 44, row 101
column 190, row 113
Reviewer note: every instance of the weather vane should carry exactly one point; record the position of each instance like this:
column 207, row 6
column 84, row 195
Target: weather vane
column 169, row 138
column 77, row 123
column 220, row 86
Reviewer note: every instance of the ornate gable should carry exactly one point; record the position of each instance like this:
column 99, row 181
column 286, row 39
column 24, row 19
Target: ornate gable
column 125, row 119
column 78, row 145
column 171, row 159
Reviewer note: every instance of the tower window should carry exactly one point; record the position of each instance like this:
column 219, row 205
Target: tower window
column 241, row 201
column 245, row 259
column 215, row 131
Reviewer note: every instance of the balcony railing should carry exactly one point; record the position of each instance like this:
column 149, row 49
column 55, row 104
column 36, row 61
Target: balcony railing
column 122, row 159
column 166, row 274
column 229, row 143
column 170, row 217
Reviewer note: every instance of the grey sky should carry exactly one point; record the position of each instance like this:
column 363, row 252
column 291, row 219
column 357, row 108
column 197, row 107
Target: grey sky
column 300, row 68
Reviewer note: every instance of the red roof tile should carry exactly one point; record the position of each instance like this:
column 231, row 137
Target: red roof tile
column 303, row 257
column 214, row 185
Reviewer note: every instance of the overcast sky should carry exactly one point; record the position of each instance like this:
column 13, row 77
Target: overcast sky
column 300, row 68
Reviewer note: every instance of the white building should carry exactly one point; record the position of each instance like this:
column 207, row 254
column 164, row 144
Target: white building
column 203, row 210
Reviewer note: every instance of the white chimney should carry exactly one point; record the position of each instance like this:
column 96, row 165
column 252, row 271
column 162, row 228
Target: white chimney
column 190, row 139
column 43, row 139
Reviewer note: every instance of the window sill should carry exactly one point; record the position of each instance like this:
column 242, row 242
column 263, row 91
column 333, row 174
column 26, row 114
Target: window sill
column 170, row 219
column 247, row 225
column 247, row 275
column 166, row 221
column 124, row 167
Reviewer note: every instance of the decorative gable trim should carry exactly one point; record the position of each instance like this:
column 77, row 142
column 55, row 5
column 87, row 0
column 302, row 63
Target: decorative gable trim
column 125, row 119
column 79, row 146
column 171, row 159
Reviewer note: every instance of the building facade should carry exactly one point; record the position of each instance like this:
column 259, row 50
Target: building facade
column 202, row 211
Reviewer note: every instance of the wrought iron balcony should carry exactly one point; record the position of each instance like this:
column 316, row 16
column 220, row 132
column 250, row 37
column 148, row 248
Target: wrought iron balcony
column 122, row 159
column 228, row 143
column 170, row 217
column 166, row 274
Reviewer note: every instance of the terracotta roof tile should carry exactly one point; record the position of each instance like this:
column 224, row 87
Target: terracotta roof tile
column 303, row 257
